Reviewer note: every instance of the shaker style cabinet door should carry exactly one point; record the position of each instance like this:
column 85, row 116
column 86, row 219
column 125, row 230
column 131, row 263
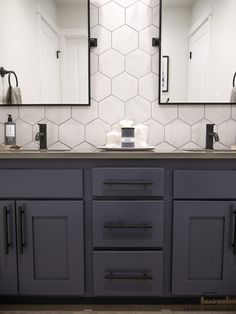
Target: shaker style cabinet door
column 50, row 247
column 204, row 248
column 8, row 267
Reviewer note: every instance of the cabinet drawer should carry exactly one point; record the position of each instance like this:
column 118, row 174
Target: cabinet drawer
column 128, row 181
column 41, row 183
column 128, row 223
column 128, row 273
column 204, row 184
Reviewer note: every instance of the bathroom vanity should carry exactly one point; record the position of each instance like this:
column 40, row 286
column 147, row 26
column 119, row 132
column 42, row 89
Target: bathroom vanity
column 102, row 225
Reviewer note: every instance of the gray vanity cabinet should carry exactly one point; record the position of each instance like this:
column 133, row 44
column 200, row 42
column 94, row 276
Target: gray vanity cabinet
column 50, row 247
column 8, row 267
column 204, row 261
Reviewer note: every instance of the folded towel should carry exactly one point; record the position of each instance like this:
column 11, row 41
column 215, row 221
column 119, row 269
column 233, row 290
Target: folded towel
column 233, row 96
column 13, row 96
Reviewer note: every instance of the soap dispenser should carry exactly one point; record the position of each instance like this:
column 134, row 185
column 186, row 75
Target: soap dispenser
column 10, row 131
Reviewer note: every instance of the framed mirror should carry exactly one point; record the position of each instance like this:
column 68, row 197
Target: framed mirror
column 44, row 55
column 198, row 52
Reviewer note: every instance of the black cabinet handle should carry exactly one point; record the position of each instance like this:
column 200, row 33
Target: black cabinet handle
column 234, row 236
column 143, row 276
column 21, row 230
column 7, row 241
column 127, row 226
column 133, row 182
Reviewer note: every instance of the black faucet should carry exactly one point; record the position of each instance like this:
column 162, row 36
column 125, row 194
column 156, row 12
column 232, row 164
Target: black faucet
column 41, row 136
column 210, row 136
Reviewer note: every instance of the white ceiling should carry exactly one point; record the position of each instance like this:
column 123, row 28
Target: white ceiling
column 166, row 3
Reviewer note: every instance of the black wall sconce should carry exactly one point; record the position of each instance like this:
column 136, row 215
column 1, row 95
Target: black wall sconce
column 155, row 42
column 93, row 42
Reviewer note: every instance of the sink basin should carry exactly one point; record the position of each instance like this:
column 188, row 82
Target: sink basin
column 202, row 150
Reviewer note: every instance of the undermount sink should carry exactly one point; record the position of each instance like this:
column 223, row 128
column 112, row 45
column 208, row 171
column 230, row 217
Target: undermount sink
column 202, row 150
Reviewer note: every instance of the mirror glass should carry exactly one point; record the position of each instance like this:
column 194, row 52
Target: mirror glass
column 45, row 42
column 198, row 51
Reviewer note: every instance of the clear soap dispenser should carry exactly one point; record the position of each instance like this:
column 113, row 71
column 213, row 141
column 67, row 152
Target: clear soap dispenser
column 10, row 131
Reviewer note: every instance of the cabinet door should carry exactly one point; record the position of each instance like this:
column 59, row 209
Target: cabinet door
column 203, row 257
column 50, row 247
column 8, row 267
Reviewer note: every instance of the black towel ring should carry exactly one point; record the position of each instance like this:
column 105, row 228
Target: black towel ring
column 234, row 79
column 9, row 78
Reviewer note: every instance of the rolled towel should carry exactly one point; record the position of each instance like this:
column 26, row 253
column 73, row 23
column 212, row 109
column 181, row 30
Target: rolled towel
column 233, row 96
column 13, row 96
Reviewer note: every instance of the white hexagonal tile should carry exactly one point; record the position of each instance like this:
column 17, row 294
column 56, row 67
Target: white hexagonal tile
column 151, row 3
column 5, row 111
column 199, row 133
column 164, row 114
column 165, row 147
column 233, row 113
column 93, row 15
column 85, row 114
column 58, row 115
column 190, row 145
column 31, row 146
column 138, row 63
column 145, row 39
column 155, row 63
column 58, row 146
column 96, row 132
column 52, row 131
column 148, row 87
column 227, row 133
column 217, row 113
column 125, row 39
column 125, row 3
column 100, row 86
column 111, row 63
column 93, row 63
column 177, row 133
column 104, row 39
column 112, row 16
column 191, row 113
column 71, row 133
column 111, row 110
column 31, row 115
column 139, row 16
column 84, row 148
column 138, row 109
column 124, row 87
column 23, row 132
column 156, row 132
column 156, row 16
column 99, row 3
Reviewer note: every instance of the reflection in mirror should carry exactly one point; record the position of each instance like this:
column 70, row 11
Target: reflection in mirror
column 198, row 41
column 45, row 42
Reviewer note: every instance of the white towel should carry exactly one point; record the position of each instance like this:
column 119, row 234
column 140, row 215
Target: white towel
column 13, row 96
column 233, row 96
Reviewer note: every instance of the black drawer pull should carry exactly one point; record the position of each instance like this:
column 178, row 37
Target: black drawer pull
column 134, row 182
column 7, row 242
column 128, row 226
column 21, row 230
column 234, row 237
column 144, row 276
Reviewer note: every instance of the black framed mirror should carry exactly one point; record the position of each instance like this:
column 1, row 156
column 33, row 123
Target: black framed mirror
column 197, row 52
column 45, row 47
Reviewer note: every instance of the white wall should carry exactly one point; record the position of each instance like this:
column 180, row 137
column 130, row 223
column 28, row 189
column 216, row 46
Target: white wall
column 18, row 29
column 73, row 15
column 50, row 8
column 175, row 45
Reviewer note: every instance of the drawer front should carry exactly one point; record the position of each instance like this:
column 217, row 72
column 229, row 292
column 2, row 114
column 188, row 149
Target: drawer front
column 128, row 181
column 128, row 273
column 41, row 183
column 204, row 184
column 128, row 223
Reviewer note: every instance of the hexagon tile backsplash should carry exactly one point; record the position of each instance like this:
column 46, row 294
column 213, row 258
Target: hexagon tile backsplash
column 124, row 83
